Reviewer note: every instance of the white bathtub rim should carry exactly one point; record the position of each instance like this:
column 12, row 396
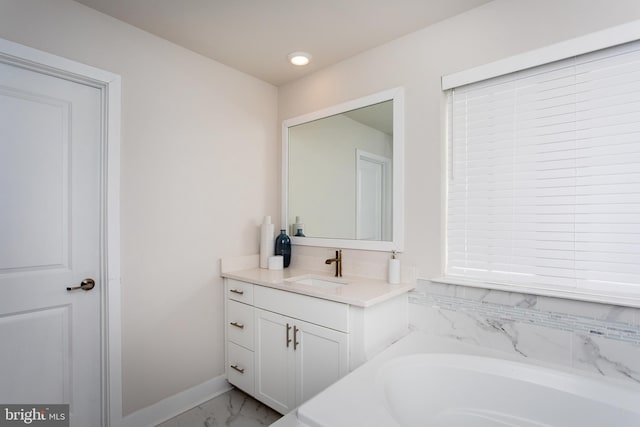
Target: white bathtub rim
column 617, row 393
column 419, row 342
column 341, row 395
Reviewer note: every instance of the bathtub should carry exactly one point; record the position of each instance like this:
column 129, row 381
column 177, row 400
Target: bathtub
column 429, row 381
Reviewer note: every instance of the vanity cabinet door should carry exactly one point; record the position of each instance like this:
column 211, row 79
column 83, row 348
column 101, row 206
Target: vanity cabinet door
column 274, row 360
column 295, row 360
column 322, row 358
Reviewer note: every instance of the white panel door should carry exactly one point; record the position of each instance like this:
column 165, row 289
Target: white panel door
column 322, row 358
column 50, row 240
column 275, row 381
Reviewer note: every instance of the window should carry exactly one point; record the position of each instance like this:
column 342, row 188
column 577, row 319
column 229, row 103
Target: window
column 544, row 176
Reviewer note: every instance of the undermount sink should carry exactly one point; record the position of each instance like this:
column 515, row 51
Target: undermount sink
column 318, row 281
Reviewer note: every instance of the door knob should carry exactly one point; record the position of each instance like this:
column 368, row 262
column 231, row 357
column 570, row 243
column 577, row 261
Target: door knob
column 86, row 285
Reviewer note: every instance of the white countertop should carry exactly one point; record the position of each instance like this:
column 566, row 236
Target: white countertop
column 359, row 291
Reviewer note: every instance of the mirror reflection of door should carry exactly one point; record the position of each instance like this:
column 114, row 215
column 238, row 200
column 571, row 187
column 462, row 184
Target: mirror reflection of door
column 373, row 196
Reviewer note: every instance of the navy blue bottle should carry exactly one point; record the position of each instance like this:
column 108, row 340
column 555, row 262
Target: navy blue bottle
column 283, row 247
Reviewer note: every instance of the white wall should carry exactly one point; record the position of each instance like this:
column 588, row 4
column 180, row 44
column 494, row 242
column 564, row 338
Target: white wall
column 494, row 31
column 198, row 149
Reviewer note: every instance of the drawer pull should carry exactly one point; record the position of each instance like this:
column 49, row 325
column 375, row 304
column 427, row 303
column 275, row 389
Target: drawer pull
column 295, row 338
column 241, row 370
column 288, row 339
column 237, row 325
column 236, row 291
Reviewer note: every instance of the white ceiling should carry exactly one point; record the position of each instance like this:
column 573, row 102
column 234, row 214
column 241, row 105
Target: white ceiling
column 255, row 36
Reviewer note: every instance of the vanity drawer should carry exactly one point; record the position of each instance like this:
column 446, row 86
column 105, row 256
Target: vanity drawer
column 240, row 367
column 331, row 314
column 240, row 291
column 240, row 324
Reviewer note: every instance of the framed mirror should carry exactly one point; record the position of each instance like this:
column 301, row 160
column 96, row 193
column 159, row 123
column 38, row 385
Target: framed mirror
column 342, row 175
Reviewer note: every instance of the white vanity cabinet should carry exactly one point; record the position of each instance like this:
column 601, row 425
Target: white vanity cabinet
column 284, row 347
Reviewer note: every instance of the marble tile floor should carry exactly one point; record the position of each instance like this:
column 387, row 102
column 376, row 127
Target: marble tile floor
column 231, row 409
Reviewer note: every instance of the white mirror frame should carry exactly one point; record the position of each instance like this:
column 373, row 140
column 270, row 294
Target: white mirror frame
column 397, row 242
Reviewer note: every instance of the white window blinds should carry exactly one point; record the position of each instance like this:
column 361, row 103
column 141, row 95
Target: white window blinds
column 544, row 176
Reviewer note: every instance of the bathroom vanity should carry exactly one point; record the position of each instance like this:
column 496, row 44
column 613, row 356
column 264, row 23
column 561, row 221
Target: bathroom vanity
column 291, row 333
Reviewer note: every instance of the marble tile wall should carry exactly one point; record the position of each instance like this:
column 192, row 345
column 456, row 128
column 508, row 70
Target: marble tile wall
column 599, row 338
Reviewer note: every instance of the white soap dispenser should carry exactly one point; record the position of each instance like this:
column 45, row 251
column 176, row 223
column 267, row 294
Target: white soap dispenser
column 394, row 269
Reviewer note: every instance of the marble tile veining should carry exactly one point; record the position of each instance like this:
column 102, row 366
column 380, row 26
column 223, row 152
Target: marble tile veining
column 611, row 322
column 603, row 339
column 231, row 409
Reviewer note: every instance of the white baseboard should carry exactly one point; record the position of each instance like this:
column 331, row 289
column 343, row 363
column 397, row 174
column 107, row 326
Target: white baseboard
column 178, row 403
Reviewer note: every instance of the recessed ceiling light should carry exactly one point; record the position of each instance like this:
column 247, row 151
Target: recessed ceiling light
column 299, row 58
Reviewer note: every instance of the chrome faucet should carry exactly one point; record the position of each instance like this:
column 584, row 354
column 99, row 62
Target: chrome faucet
column 338, row 261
